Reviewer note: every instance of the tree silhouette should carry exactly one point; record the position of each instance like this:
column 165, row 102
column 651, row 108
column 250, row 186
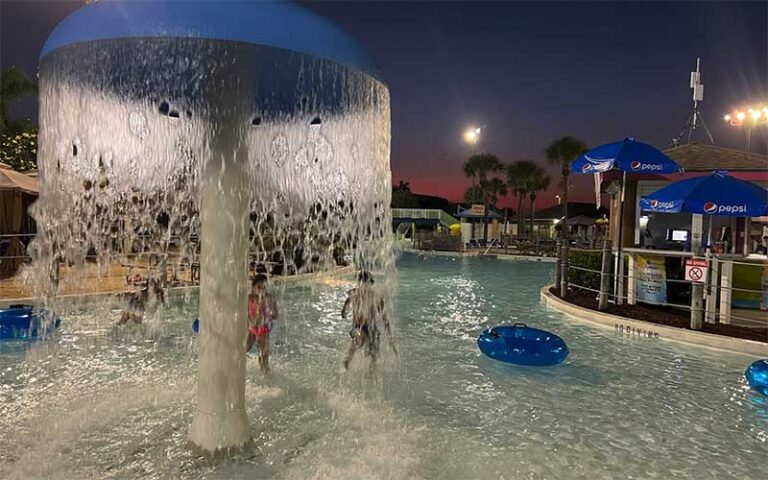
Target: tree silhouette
column 14, row 84
column 539, row 182
column 519, row 176
column 478, row 167
column 402, row 197
column 563, row 152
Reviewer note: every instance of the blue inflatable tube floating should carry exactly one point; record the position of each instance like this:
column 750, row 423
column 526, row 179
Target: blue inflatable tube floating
column 196, row 326
column 757, row 376
column 523, row 345
column 20, row 322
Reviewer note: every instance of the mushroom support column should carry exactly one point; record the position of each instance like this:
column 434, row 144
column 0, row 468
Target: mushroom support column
column 220, row 421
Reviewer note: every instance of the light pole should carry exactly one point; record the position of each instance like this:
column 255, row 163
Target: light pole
column 750, row 118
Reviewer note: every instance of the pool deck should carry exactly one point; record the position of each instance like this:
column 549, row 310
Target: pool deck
column 652, row 331
column 112, row 283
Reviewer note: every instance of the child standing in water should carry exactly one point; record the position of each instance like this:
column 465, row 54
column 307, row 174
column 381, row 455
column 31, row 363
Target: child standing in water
column 152, row 294
column 367, row 306
column 262, row 312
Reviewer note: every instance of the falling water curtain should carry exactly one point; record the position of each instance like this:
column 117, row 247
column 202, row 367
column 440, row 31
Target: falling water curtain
column 11, row 218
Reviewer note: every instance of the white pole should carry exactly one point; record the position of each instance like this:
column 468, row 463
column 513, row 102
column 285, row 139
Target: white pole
column 726, row 282
column 619, row 281
column 220, row 421
column 710, row 313
column 631, row 279
column 710, row 293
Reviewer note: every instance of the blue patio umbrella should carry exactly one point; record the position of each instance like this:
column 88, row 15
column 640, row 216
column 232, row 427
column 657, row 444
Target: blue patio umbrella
column 627, row 155
column 716, row 194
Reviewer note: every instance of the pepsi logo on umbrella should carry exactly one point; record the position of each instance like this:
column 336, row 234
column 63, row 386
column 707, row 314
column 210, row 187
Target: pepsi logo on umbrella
column 586, row 168
column 637, row 165
column 735, row 209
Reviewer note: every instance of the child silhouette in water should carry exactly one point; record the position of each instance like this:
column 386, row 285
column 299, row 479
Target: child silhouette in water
column 262, row 312
column 367, row 306
column 152, row 294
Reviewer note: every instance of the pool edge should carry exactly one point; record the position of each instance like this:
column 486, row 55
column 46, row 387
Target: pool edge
column 663, row 332
column 174, row 291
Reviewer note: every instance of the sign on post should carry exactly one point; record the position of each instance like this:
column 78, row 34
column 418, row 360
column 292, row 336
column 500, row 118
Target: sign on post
column 696, row 270
column 478, row 209
column 651, row 283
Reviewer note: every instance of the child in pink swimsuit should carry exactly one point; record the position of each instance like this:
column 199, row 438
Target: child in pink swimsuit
column 262, row 311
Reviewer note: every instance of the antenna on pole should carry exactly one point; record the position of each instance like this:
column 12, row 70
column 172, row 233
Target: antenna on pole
column 695, row 117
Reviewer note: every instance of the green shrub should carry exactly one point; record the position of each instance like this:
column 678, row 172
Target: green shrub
column 585, row 259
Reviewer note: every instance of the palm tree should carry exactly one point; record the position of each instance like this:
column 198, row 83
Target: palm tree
column 473, row 195
column 519, row 176
column 492, row 189
column 539, row 182
column 563, row 152
column 402, row 197
column 478, row 167
column 14, row 84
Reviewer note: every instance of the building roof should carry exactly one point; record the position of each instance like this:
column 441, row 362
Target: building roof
column 468, row 214
column 575, row 209
column 13, row 180
column 700, row 157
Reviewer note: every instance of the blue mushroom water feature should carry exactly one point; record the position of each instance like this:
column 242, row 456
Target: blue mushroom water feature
column 221, row 118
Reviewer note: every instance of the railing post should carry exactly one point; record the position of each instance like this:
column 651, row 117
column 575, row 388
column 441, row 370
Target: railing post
column 710, row 313
column 620, row 280
column 605, row 276
column 559, row 251
column 726, row 283
column 564, row 271
column 697, row 305
column 631, row 280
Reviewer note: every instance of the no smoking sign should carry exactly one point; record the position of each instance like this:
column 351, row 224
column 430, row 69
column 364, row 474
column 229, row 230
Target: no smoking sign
column 696, row 270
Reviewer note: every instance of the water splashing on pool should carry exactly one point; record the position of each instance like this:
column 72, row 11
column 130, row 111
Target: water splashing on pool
column 94, row 403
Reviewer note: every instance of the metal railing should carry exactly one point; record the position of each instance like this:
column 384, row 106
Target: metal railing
column 717, row 295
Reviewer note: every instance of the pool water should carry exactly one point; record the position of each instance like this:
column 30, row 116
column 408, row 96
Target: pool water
column 101, row 402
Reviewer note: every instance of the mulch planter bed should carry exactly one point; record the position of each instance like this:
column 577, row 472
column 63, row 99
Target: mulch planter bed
column 663, row 316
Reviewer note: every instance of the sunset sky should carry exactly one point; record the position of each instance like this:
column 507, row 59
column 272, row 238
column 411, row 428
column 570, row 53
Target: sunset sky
column 527, row 72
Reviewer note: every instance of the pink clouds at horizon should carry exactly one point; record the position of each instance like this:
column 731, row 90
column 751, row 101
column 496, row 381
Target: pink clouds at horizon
column 452, row 188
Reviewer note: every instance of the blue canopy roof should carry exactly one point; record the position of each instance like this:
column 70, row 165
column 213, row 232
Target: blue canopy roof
column 278, row 24
column 628, row 155
column 716, row 194
column 468, row 214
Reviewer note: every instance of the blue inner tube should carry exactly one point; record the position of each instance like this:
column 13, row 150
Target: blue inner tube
column 196, row 326
column 523, row 345
column 20, row 322
column 757, row 376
